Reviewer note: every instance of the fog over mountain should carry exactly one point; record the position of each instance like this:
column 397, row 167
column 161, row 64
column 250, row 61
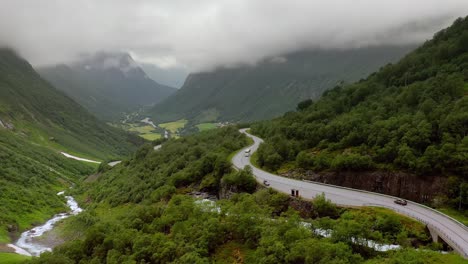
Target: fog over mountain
column 204, row 34
column 173, row 76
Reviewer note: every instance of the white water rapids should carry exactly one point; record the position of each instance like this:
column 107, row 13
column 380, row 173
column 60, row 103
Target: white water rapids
column 26, row 244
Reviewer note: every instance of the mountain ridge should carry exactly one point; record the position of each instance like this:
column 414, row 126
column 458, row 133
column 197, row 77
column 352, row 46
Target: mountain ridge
column 40, row 112
column 107, row 84
column 270, row 88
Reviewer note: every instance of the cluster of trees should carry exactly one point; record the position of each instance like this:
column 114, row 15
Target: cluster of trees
column 411, row 116
column 252, row 228
column 240, row 181
column 198, row 161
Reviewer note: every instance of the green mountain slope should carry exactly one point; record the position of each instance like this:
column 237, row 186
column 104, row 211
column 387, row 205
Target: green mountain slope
column 270, row 88
column 411, row 116
column 36, row 122
column 30, row 177
column 32, row 109
column 107, row 84
column 141, row 211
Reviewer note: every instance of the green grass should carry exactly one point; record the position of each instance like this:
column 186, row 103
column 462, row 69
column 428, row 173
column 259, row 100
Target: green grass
column 455, row 214
column 30, row 177
column 39, row 137
column 145, row 131
column 206, row 126
column 12, row 258
column 229, row 158
column 451, row 259
column 75, row 228
column 4, row 236
column 173, row 127
column 254, row 160
column 208, row 115
column 151, row 136
column 142, row 129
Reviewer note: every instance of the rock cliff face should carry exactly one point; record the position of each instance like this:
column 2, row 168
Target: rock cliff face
column 226, row 192
column 409, row 186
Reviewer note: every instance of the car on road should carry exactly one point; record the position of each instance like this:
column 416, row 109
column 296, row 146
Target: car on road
column 246, row 154
column 401, row 202
column 266, row 183
column 247, row 150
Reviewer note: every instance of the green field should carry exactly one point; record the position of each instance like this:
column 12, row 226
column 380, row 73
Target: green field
column 142, row 129
column 147, row 132
column 12, row 258
column 151, row 136
column 206, row 126
column 173, row 127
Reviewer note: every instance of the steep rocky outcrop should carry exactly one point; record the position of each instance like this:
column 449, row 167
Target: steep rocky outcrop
column 409, row 186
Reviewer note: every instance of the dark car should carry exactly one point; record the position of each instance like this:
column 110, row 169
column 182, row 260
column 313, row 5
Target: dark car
column 401, row 202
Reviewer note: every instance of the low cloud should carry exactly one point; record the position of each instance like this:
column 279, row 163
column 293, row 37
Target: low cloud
column 204, row 34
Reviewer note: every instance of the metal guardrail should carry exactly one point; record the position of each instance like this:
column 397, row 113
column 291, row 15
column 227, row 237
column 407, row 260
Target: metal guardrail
column 393, row 197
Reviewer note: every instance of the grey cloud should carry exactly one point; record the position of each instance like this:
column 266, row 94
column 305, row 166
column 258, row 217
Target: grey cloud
column 204, row 34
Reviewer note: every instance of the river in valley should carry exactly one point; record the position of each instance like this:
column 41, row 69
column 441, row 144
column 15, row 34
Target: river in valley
column 28, row 245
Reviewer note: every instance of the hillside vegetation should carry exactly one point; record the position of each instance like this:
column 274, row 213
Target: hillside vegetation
column 151, row 175
column 271, row 87
column 410, row 116
column 46, row 116
column 36, row 122
column 30, row 177
column 139, row 212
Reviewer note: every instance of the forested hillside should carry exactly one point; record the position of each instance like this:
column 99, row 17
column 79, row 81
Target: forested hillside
column 31, row 108
column 107, row 84
column 411, row 116
column 143, row 211
column 271, row 87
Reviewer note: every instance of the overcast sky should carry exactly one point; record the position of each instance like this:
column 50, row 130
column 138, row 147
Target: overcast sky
column 202, row 34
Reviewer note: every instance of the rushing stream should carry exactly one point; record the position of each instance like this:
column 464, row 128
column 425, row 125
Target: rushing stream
column 27, row 245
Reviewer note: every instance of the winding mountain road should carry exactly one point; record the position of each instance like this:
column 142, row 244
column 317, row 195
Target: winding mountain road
column 442, row 226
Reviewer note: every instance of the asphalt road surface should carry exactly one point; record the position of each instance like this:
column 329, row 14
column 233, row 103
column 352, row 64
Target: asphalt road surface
column 451, row 231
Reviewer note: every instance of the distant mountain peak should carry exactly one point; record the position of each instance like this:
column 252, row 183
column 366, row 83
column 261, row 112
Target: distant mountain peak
column 107, row 84
column 103, row 61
